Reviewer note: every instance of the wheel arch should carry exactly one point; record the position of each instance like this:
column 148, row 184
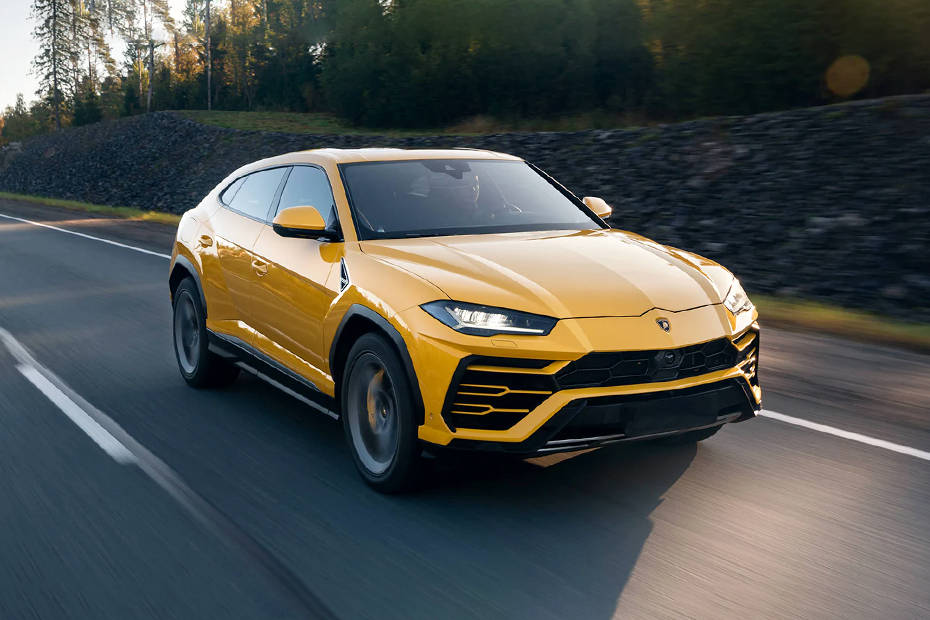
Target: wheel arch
column 183, row 268
column 357, row 321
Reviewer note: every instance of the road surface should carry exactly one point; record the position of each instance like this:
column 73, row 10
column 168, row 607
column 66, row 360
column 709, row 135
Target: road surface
column 127, row 494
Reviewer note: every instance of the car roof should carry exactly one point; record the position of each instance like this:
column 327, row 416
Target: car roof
column 344, row 156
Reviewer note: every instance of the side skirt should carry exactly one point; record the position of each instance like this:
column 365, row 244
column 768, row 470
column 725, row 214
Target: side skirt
column 257, row 363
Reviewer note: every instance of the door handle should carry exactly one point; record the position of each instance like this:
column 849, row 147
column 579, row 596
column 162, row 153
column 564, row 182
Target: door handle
column 261, row 268
column 205, row 241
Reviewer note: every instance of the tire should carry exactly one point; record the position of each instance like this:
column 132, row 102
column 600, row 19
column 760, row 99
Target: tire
column 378, row 415
column 199, row 366
column 691, row 436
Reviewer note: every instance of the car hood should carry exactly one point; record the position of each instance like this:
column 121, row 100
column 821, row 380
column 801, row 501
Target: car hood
column 565, row 274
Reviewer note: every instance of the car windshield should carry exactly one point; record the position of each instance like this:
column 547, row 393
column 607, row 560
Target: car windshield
column 421, row 198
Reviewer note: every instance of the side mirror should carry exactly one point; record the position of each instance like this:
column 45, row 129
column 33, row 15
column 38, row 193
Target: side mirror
column 303, row 222
column 600, row 208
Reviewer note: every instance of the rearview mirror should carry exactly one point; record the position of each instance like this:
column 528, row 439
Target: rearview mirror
column 600, row 208
column 304, row 222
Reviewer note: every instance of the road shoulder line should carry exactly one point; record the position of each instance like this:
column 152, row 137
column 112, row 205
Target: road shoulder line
column 838, row 432
column 107, row 442
column 86, row 236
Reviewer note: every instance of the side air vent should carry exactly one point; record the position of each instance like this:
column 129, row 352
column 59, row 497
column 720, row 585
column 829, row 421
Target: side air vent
column 493, row 393
column 343, row 275
column 748, row 356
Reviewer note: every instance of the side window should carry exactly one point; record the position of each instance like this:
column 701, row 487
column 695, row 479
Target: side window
column 230, row 192
column 256, row 193
column 309, row 187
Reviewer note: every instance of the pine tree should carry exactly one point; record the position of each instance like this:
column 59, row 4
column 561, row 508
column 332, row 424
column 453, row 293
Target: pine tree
column 57, row 49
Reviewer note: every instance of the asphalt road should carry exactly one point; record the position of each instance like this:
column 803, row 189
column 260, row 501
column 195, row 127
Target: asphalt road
column 245, row 503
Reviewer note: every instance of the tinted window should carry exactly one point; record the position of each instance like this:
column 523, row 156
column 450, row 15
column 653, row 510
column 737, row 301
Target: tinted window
column 257, row 191
column 309, row 187
column 456, row 197
column 230, row 192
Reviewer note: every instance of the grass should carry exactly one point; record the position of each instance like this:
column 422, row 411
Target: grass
column 127, row 213
column 851, row 324
column 317, row 123
column 286, row 122
column 778, row 311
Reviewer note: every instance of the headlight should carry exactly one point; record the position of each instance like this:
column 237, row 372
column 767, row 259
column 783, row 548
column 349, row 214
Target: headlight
column 736, row 300
column 486, row 320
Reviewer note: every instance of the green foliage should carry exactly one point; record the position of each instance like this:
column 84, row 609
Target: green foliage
column 421, row 64
column 744, row 56
column 87, row 108
column 20, row 121
column 55, row 25
column 429, row 62
column 129, row 213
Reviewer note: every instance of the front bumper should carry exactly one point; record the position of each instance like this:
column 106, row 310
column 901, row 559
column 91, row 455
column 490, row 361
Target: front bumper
column 591, row 422
column 563, row 392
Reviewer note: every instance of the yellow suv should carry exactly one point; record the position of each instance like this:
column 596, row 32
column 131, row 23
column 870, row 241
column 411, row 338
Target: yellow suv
column 455, row 298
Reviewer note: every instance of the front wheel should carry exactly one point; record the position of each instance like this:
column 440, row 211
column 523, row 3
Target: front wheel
column 199, row 366
column 378, row 415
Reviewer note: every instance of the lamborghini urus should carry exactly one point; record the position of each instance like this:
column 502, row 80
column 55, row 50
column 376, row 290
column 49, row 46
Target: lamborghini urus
column 457, row 299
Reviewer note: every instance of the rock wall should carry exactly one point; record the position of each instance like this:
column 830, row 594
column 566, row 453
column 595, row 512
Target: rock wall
column 829, row 203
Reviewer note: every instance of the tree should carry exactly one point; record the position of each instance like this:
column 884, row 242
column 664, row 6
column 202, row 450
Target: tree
column 428, row 63
column 87, row 108
column 54, row 20
column 208, row 47
column 18, row 122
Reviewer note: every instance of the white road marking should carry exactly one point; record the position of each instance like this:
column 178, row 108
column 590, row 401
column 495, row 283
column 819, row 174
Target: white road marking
column 63, row 398
column 77, row 234
column 107, row 442
column 838, row 432
column 814, row 426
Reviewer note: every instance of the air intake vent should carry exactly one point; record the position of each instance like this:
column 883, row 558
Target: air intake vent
column 343, row 275
column 482, row 398
column 748, row 356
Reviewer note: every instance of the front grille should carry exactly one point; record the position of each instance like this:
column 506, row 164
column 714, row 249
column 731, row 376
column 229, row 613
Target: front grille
column 632, row 367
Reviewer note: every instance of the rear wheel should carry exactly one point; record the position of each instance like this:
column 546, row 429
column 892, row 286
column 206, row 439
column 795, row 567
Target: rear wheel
column 378, row 415
column 691, row 436
column 199, row 366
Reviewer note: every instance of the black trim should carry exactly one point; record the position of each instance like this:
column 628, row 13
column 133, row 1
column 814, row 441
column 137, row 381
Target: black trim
column 509, row 362
column 384, row 325
column 325, row 235
column 188, row 266
column 232, row 347
column 452, row 390
column 568, row 194
column 344, row 279
column 273, row 207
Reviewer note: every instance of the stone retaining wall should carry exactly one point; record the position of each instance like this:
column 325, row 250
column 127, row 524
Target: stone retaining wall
column 829, row 203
